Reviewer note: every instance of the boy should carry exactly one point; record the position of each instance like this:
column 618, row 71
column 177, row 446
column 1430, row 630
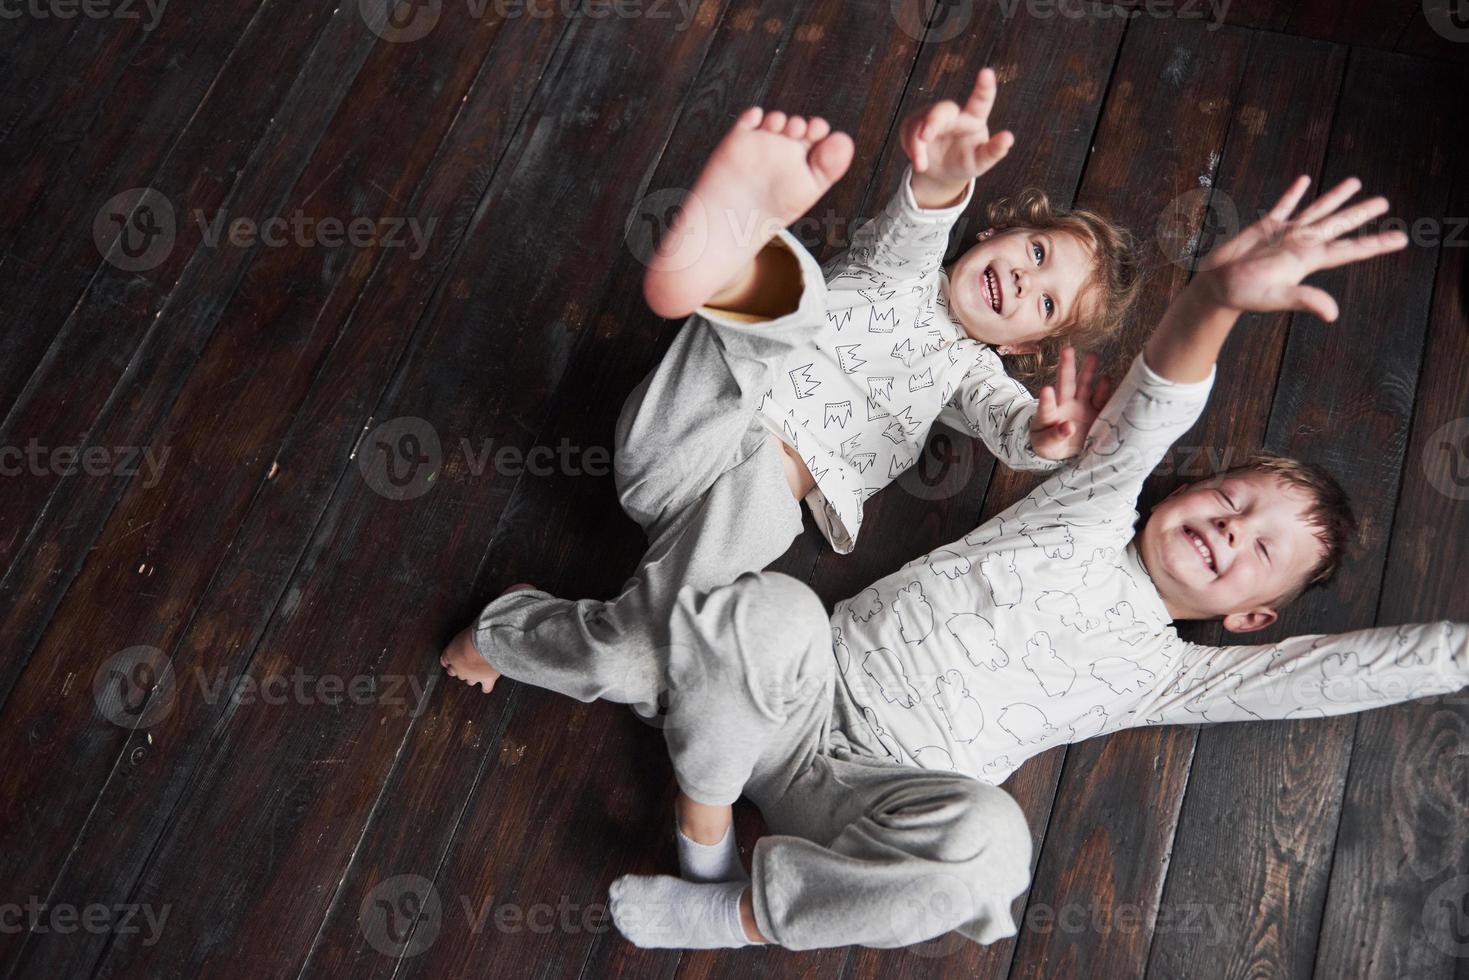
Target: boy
column 874, row 749
column 788, row 387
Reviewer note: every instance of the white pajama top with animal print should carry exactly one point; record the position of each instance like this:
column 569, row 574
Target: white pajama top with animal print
column 1042, row 626
column 857, row 405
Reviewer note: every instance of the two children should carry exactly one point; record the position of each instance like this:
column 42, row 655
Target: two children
column 789, row 386
column 873, row 740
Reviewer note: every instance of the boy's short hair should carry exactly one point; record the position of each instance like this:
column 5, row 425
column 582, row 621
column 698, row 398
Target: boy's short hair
column 1329, row 515
column 1108, row 297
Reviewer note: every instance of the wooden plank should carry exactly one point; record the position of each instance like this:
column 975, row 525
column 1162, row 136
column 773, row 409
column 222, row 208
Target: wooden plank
column 1258, row 828
column 183, row 529
column 131, row 341
column 1168, row 110
column 414, row 832
column 553, row 523
column 626, row 83
column 1397, row 873
column 1369, row 23
column 105, row 133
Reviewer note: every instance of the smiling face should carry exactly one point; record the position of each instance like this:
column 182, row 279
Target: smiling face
column 1020, row 286
column 1230, row 547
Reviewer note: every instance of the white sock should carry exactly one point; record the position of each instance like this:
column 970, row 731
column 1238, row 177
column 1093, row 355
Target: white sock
column 663, row 912
column 709, row 862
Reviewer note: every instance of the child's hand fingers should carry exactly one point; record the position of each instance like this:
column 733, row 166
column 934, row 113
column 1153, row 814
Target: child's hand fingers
column 1290, row 198
column 1330, row 201
column 938, row 118
column 1313, row 300
column 1366, row 247
column 982, row 98
column 1087, row 378
column 1066, row 375
column 992, row 151
column 1336, row 225
column 1046, row 410
column 914, row 146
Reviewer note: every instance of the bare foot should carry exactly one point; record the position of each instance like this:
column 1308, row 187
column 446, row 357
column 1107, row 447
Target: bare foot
column 462, row 659
column 766, row 172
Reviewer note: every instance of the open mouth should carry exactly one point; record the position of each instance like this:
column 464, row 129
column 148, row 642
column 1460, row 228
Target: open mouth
column 1202, row 547
column 992, row 289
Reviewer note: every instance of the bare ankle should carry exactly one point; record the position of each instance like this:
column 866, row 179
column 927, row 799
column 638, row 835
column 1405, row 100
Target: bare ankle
column 769, row 285
column 701, row 822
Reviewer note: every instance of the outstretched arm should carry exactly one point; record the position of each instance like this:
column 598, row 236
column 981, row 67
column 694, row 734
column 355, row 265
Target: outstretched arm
column 1313, row 676
column 1023, row 431
column 948, row 146
column 1261, row 270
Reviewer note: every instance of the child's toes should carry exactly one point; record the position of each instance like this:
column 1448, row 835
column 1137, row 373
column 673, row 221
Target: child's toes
column 774, row 122
column 796, row 127
column 831, row 157
column 817, row 128
column 750, row 118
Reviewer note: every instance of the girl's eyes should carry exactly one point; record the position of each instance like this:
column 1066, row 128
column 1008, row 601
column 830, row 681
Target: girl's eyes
column 1037, row 251
column 1049, row 305
column 1264, row 551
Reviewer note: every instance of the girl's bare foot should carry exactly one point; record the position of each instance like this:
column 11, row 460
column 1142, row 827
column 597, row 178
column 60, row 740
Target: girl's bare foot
column 462, row 659
column 766, row 172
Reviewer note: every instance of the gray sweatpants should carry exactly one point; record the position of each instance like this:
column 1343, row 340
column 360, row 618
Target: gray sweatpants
column 861, row 850
column 704, row 478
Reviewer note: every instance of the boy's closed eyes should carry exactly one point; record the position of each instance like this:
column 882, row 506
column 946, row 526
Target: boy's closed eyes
column 1233, row 547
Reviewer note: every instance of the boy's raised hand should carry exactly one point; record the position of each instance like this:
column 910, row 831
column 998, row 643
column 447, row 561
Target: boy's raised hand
column 1068, row 408
column 950, row 144
column 1260, row 269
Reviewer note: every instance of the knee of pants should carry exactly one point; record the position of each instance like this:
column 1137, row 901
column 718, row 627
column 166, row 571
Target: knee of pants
column 787, row 614
column 988, row 836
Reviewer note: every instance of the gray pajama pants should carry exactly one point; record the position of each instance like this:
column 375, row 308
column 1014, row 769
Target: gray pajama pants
column 701, row 474
column 862, row 849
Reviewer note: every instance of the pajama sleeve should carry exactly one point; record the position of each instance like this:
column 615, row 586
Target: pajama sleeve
column 904, row 243
column 998, row 410
column 1128, row 440
column 1312, row 676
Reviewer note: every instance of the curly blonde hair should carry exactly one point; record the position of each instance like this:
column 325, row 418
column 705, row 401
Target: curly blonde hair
column 1108, row 295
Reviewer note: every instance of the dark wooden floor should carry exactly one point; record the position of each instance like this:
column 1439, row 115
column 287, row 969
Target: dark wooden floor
column 346, row 792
